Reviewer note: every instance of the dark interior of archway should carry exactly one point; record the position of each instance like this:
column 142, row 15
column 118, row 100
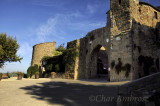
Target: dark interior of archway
column 102, row 62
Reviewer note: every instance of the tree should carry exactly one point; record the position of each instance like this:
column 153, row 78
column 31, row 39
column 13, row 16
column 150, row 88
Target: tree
column 8, row 49
column 60, row 50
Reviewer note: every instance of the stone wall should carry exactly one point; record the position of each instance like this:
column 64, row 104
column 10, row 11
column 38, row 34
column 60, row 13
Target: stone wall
column 145, row 88
column 89, row 47
column 41, row 50
column 132, row 30
column 72, row 59
column 134, row 27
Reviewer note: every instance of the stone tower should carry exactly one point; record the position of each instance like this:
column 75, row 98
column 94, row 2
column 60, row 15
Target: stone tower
column 41, row 50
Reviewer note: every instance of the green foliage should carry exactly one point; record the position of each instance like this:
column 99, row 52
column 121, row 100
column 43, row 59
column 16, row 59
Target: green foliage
column 36, row 68
column 52, row 62
column 60, row 50
column 126, row 68
column 37, row 73
column 112, row 64
column 70, row 56
column 19, row 73
column 8, row 49
column 1, row 74
column 57, row 53
column 49, row 67
column 118, row 67
column 32, row 70
column 57, row 68
column 29, row 72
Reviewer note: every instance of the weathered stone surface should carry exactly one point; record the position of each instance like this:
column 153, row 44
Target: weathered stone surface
column 132, row 30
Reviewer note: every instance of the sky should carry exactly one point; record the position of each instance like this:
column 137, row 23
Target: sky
column 38, row 21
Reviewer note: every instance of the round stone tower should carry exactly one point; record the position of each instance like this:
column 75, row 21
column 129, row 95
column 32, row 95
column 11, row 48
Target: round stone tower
column 41, row 50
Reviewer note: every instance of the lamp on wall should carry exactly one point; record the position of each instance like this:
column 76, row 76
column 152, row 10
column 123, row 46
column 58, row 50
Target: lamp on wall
column 107, row 40
column 90, row 42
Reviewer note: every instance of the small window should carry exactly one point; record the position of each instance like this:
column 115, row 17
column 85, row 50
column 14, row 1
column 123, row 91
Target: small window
column 120, row 2
column 139, row 9
column 155, row 14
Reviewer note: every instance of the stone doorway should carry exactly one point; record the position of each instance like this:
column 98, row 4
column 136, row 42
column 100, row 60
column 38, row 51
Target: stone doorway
column 98, row 66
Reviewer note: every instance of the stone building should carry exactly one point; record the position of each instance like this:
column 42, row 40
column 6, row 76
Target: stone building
column 41, row 50
column 130, row 41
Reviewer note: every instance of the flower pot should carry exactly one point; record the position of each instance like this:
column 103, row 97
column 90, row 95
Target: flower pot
column 52, row 76
column 36, row 76
column 19, row 77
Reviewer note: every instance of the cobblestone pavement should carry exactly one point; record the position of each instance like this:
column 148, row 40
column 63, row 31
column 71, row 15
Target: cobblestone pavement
column 57, row 92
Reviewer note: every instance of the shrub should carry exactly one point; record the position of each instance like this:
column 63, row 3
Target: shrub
column 37, row 73
column 1, row 74
column 57, row 68
column 32, row 70
column 19, row 73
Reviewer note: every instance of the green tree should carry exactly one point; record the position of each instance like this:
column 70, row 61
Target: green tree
column 60, row 50
column 8, row 49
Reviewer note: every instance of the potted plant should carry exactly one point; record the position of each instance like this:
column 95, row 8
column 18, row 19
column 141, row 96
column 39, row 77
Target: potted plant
column 37, row 75
column 19, row 75
column 1, row 76
column 53, row 75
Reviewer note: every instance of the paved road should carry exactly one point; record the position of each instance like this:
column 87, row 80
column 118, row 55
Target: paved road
column 57, row 92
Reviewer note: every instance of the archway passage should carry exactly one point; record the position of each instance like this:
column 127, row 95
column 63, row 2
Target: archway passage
column 102, row 61
column 99, row 63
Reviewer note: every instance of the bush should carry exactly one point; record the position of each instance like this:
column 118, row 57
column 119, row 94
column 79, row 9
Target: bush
column 37, row 73
column 29, row 72
column 19, row 73
column 32, row 70
column 57, row 68
column 1, row 74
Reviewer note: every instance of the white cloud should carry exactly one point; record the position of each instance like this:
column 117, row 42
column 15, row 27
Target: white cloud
column 92, row 8
column 25, row 49
column 45, row 30
column 48, row 3
column 59, row 27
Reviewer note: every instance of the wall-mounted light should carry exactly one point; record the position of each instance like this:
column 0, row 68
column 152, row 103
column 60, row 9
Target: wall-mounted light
column 107, row 40
column 90, row 42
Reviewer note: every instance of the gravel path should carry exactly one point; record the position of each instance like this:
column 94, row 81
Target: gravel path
column 57, row 92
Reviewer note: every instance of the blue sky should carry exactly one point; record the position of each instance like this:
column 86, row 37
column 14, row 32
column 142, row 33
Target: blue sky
column 38, row 21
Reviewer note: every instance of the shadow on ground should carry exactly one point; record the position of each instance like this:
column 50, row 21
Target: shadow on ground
column 73, row 94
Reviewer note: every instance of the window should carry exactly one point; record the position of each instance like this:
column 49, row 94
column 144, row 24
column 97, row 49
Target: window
column 139, row 9
column 120, row 2
column 155, row 14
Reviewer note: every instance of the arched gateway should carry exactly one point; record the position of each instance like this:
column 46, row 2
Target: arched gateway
column 98, row 64
column 130, row 37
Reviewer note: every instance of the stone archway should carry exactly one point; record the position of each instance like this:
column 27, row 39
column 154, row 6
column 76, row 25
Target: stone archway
column 98, row 64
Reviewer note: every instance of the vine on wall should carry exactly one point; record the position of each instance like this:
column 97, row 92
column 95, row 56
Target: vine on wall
column 70, row 57
column 119, row 67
